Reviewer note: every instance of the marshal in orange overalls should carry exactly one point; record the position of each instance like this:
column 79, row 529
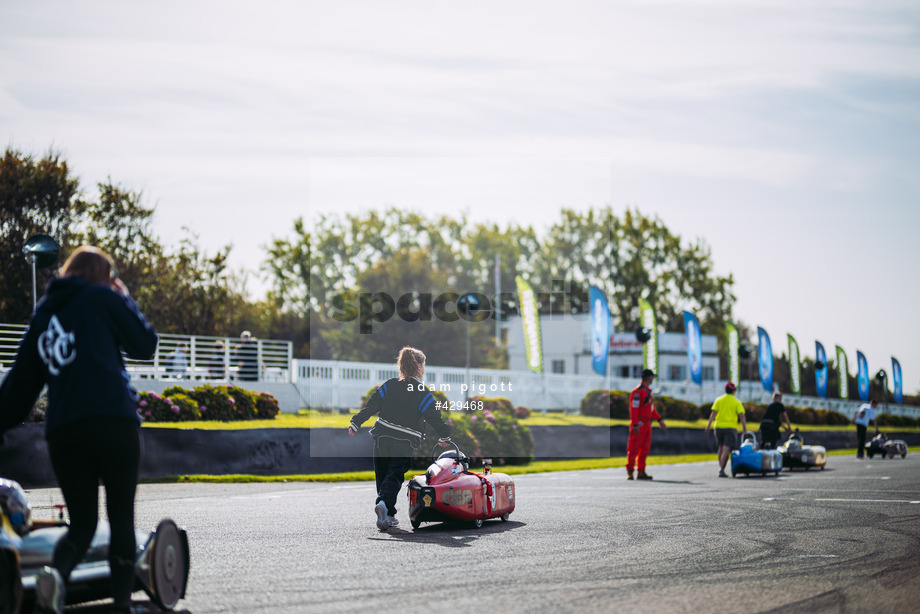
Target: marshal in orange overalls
column 641, row 412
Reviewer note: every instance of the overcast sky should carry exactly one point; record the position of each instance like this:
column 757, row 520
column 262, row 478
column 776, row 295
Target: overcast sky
column 784, row 133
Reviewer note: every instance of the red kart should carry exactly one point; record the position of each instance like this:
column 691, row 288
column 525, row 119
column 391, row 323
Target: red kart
column 449, row 491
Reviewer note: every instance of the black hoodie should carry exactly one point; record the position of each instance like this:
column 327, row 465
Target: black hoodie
column 74, row 344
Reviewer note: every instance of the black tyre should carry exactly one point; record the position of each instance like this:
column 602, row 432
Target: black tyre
column 505, row 516
column 903, row 454
column 169, row 565
column 415, row 523
column 477, row 524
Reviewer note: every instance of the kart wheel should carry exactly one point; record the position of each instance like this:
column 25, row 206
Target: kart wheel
column 505, row 516
column 903, row 454
column 477, row 523
column 884, row 454
column 415, row 523
column 169, row 565
column 871, row 454
column 10, row 583
column 807, row 467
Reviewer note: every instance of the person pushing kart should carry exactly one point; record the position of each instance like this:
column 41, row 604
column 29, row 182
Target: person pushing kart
column 641, row 413
column 402, row 404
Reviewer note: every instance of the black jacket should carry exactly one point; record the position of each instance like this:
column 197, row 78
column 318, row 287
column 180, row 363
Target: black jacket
column 401, row 411
column 74, row 344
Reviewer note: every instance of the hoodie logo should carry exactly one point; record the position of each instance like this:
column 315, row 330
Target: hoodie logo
column 56, row 346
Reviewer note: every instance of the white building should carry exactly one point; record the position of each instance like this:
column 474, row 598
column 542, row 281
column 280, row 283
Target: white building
column 567, row 349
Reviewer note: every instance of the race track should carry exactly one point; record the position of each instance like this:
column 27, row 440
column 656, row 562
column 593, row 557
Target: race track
column 845, row 539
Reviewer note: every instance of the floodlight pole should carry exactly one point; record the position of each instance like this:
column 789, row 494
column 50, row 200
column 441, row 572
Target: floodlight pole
column 34, row 286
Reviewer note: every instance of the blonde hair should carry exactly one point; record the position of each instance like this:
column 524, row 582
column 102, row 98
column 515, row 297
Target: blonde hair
column 90, row 263
column 411, row 363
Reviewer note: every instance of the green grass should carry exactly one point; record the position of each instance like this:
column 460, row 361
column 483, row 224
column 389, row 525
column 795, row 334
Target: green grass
column 317, row 419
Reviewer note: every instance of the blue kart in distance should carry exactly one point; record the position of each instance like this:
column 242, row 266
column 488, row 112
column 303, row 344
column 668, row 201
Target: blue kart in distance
column 749, row 458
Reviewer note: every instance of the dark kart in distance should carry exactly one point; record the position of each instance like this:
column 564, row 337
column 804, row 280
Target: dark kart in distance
column 880, row 444
column 449, row 491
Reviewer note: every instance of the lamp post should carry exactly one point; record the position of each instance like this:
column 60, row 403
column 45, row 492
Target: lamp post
column 42, row 252
column 468, row 304
column 744, row 353
column 882, row 378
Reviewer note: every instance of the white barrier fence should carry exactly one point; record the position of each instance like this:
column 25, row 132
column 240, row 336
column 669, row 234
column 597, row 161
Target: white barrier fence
column 191, row 357
column 340, row 385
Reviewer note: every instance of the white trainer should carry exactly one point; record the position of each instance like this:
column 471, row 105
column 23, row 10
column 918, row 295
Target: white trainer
column 382, row 522
column 49, row 591
column 392, row 520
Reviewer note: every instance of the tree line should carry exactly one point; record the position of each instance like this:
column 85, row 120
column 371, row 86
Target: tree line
column 403, row 254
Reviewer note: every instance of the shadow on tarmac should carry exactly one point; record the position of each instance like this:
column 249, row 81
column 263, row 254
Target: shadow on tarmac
column 448, row 534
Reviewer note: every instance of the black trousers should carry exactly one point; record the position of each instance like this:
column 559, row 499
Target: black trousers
column 860, row 440
column 769, row 435
column 82, row 455
column 392, row 459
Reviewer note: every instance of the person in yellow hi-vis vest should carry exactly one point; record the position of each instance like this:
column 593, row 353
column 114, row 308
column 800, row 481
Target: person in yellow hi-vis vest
column 726, row 411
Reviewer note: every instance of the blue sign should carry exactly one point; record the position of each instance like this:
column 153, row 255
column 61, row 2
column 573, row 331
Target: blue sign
column 821, row 374
column 765, row 359
column 694, row 347
column 862, row 376
column 896, row 376
column 600, row 330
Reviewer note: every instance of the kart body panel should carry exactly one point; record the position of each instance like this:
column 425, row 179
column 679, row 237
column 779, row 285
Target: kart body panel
column 448, row 492
column 748, row 459
column 798, row 455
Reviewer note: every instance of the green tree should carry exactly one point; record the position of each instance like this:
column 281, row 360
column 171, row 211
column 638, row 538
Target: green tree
column 36, row 196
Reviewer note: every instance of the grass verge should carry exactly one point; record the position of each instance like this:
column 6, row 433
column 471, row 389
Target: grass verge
column 316, row 419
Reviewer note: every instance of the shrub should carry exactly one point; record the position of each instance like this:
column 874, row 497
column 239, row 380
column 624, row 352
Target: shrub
column 267, row 406
column 176, row 407
column 606, row 404
column 224, row 403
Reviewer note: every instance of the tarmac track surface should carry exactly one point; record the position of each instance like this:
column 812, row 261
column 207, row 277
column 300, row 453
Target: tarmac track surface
column 846, row 539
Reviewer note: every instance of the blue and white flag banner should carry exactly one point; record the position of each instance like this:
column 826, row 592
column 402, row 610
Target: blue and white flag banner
column 600, row 330
column 843, row 374
column 765, row 359
column 821, row 374
column 862, row 376
column 795, row 365
column 694, row 348
column 897, row 380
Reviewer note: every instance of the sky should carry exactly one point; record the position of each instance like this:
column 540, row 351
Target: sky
column 786, row 134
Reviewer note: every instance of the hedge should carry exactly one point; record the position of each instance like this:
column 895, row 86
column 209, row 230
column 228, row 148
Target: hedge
column 223, row 403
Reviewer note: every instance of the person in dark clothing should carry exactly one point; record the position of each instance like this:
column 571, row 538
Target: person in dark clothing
column 247, row 358
column 402, row 404
column 74, row 344
column 770, row 423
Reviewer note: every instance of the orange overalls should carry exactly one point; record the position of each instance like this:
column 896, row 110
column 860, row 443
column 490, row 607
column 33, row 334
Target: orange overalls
column 641, row 409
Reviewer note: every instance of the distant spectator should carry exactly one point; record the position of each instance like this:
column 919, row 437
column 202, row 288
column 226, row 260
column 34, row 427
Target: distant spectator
column 863, row 416
column 726, row 411
column 217, row 363
column 178, row 362
column 770, row 423
column 246, row 357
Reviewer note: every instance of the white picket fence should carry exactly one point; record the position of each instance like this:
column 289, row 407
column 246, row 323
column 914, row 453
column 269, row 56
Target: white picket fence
column 340, row 385
column 204, row 359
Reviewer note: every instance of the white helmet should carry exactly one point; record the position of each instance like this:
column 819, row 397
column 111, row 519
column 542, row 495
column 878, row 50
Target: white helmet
column 15, row 506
